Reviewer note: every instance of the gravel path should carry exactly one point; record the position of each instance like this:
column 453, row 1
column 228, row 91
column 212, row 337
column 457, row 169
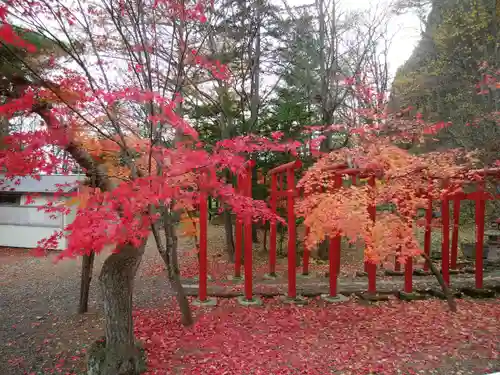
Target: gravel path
column 38, row 303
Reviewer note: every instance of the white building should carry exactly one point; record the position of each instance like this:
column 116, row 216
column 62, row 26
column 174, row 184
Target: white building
column 23, row 225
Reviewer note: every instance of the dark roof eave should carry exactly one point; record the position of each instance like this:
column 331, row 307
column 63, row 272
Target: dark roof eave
column 13, row 192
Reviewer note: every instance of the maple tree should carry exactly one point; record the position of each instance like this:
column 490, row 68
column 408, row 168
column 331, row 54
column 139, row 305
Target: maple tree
column 329, row 210
column 405, row 182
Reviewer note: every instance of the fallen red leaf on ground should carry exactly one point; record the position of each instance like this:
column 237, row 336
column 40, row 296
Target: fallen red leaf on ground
column 318, row 339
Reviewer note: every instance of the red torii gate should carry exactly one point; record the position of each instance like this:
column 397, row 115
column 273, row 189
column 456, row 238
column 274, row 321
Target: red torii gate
column 244, row 187
column 334, row 249
column 203, row 298
column 449, row 256
column 244, row 227
column 278, row 175
column 371, row 175
column 334, row 245
column 480, row 196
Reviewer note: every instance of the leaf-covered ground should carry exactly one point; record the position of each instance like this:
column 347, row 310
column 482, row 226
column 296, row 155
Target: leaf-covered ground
column 40, row 332
column 219, row 268
column 392, row 338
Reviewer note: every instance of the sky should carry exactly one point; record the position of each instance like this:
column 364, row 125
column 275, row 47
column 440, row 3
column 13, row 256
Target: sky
column 405, row 28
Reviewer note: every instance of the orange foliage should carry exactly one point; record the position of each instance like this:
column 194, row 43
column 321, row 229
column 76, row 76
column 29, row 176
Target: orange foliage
column 81, row 199
column 407, row 182
column 58, row 95
column 391, row 234
column 109, row 153
column 331, row 213
column 189, row 226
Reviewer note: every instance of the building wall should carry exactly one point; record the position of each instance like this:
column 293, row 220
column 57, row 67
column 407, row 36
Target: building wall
column 24, row 225
column 26, row 236
column 38, row 200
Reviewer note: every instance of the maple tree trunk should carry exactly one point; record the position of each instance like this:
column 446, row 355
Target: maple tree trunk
column 255, row 236
column 87, row 269
column 281, row 232
column 4, row 131
column 228, row 219
column 171, row 259
column 446, row 291
column 266, row 230
column 228, row 227
column 169, row 255
column 323, row 250
column 118, row 353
